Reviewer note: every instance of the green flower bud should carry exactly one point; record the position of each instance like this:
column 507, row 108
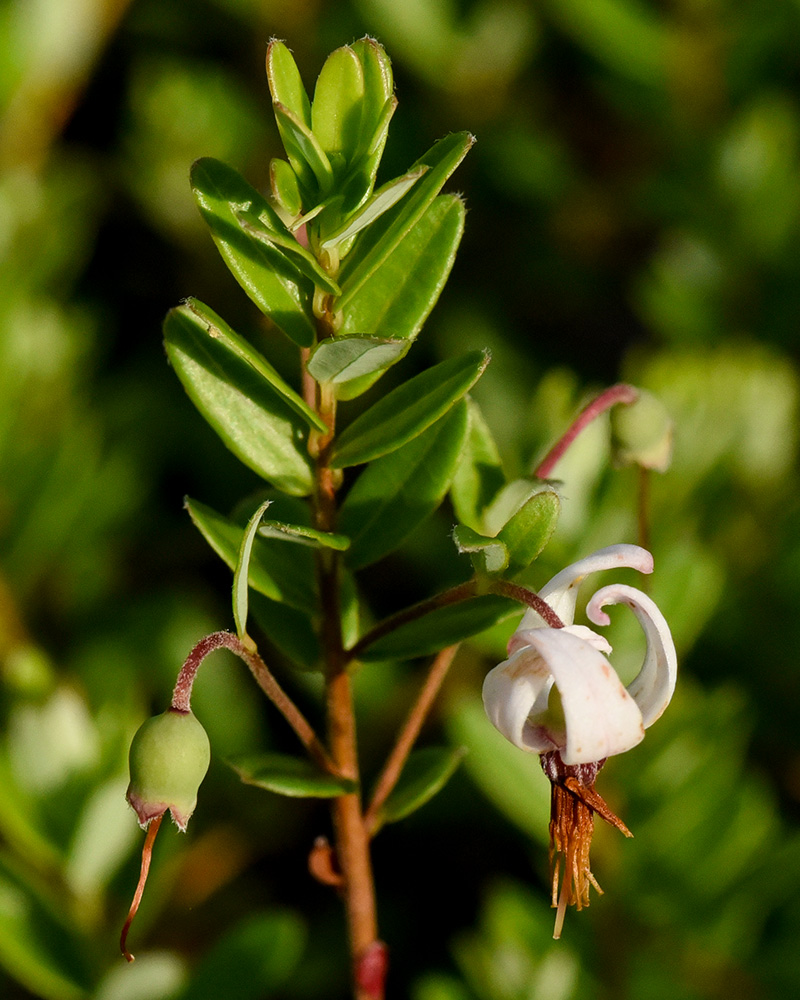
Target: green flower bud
column 169, row 758
column 642, row 433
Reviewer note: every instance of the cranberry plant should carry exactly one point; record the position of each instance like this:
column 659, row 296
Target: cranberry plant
column 349, row 272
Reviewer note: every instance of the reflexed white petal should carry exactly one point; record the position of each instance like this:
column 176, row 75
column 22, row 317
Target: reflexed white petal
column 601, row 718
column 511, row 691
column 562, row 591
column 653, row 686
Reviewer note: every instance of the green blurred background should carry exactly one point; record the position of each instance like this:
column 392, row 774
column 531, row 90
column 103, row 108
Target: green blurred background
column 634, row 212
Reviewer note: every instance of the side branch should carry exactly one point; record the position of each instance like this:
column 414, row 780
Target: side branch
column 408, row 736
column 265, row 680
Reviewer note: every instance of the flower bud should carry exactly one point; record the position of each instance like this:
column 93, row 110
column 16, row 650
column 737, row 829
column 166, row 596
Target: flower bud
column 642, row 433
column 169, row 758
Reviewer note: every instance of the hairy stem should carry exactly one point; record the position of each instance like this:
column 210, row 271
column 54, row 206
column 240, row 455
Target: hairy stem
column 620, row 393
column 505, row 588
column 181, row 696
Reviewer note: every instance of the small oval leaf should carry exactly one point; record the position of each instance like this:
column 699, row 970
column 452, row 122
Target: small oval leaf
column 408, row 410
column 292, row 776
column 270, row 279
column 396, row 493
column 241, row 575
column 254, row 420
column 443, row 627
column 337, row 106
column 427, row 771
column 339, row 360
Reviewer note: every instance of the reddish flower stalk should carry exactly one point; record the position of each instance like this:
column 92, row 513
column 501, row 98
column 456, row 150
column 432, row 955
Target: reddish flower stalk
column 147, row 854
column 620, row 393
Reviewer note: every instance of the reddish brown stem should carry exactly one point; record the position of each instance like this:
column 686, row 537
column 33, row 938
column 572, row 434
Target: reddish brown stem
column 525, row 596
column 181, row 696
column 408, row 736
column 620, row 393
column 147, row 853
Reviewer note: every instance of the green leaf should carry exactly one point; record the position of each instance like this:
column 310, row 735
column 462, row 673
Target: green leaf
column 290, row 631
column 304, row 151
column 336, row 110
column 282, row 572
column 378, row 87
column 380, row 202
column 397, row 492
column 273, row 232
column 221, row 332
column 340, row 360
column 397, row 298
column 253, row 960
column 293, row 776
column 443, row 627
column 302, row 535
column 378, row 242
column 488, row 555
column 408, row 410
column 253, row 419
column 426, row 772
column 285, row 82
column 285, row 189
column 528, row 530
column 268, row 276
column 242, row 572
column 479, row 476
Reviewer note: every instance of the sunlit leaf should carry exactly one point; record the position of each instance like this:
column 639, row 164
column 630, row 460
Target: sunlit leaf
column 394, row 494
column 488, row 555
column 242, row 571
column 377, row 243
column 336, row 109
column 529, row 529
column 379, row 203
column 340, row 360
column 285, row 83
column 303, row 149
column 254, row 419
column 265, row 230
column 292, row 776
column 408, row 410
column 268, row 276
column 278, row 570
column 426, row 772
column 303, row 535
column 285, row 188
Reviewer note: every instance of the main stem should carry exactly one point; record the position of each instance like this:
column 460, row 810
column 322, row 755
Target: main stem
column 351, row 835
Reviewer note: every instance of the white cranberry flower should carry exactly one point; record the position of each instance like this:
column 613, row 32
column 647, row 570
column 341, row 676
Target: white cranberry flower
column 591, row 715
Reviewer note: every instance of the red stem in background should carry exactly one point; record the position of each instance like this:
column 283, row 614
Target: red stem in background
column 620, row 393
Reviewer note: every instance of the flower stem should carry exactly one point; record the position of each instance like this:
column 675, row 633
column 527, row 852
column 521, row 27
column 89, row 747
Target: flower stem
column 505, row 588
column 181, row 696
column 408, row 736
column 620, row 393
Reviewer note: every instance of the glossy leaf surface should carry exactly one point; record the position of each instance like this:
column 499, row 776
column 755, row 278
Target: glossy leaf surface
column 336, row 109
column 285, row 82
column 378, row 242
column 441, row 628
column 408, row 410
column 341, row 360
column 258, row 423
column 427, row 771
column 397, row 492
column 288, row 775
column 302, row 535
column 271, row 280
column 278, row 570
